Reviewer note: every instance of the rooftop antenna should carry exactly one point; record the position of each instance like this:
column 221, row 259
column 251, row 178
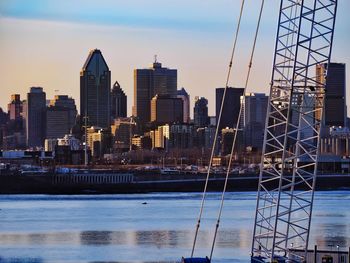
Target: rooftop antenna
column 155, row 58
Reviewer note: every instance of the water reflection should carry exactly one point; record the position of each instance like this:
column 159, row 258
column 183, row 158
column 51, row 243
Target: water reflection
column 39, row 238
column 21, row 260
column 118, row 228
column 331, row 235
column 328, row 236
column 100, row 238
column 133, row 262
column 39, row 260
column 158, row 238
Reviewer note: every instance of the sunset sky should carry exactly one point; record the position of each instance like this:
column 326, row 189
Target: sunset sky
column 45, row 43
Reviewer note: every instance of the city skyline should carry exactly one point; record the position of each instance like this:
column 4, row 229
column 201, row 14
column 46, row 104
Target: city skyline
column 45, row 42
column 134, row 177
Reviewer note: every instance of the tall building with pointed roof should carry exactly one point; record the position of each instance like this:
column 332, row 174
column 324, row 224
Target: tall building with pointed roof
column 95, row 83
column 118, row 102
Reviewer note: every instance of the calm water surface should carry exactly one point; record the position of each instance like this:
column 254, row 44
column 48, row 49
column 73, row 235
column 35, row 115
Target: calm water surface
column 119, row 228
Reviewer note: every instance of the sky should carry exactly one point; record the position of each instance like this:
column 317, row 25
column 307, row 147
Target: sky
column 46, row 42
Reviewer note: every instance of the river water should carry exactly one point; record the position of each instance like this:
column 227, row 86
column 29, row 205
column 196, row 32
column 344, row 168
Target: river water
column 122, row 228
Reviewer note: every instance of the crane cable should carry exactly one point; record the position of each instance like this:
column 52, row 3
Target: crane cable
column 217, row 127
column 237, row 126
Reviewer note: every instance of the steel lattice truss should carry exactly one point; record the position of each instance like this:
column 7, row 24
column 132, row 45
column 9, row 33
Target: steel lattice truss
column 292, row 134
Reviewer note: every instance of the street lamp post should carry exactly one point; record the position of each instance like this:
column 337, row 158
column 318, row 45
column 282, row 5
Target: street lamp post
column 86, row 162
column 338, row 253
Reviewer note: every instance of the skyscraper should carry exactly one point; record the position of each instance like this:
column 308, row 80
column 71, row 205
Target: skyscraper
column 95, row 83
column 166, row 109
column 3, row 117
column 118, row 102
column 253, row 118
column 14, row 134
column 148, row 83
column 3, row 120
column 335, row 102
column 98, row 140
column 181, row 136
column 122, row 130
column 35, row 117
column 200, row 112
column 57, row 122
column 254, row 107
column 60, row 116
column 182, row 93
column 68, row 103
column 227, row 136
column 231, row 106
column 14, row 108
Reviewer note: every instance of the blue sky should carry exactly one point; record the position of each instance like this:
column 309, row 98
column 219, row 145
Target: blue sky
column 178, row 15
column 45, row 43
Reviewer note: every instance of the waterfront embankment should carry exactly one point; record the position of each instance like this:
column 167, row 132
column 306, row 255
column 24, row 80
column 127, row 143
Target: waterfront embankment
column 115, row 183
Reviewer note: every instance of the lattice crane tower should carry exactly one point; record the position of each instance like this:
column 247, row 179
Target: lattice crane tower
column 292, row 133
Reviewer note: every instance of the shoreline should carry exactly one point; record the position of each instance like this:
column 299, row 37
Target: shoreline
column 49, row 184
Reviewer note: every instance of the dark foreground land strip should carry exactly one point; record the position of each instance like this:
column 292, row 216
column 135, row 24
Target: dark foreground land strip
column 45, row 185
